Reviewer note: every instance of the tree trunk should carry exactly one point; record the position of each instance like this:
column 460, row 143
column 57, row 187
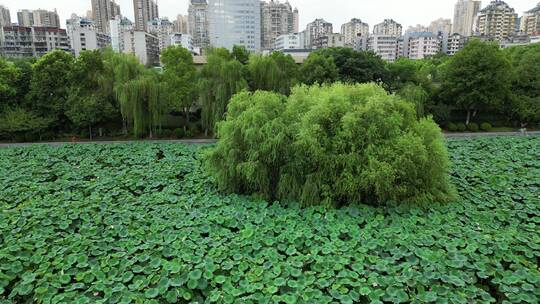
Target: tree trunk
column 468, row 117
column 100, row 132
column 90, row 129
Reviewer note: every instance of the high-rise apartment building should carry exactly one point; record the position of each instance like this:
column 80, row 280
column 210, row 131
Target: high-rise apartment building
column 316, row 30
column 36, row 41
column 294, row 41
column 181, row 24
column 416, row 28
column 38, row 17
column 388, row 27
column 530, row 21
column 5, row 16
column 455, row 43
column 441, row 25
column 276, row 19
column 143, row 45
column 198, row 23
column 354, row 29
column 235, row 22
column 118, row 27
column 104, row 11
column 83, row 35
column 497, row 20
column 386, row 46
column 161, row 28
column 465, row 12
column 144, row 11
column 422, row 44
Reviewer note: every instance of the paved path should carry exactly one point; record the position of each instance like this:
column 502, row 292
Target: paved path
column 211, row 141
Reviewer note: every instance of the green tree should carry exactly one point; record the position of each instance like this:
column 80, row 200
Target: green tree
column 418, row 96
column 50, row 84
column 477, row 77
column 142, row 105
column 276, row 72
column 240, row 53
column 331, row 145
column 9, row 74
column 357, row 66
column 179, row 74
column 18, row 121
column 219, row 80
column 318, row 69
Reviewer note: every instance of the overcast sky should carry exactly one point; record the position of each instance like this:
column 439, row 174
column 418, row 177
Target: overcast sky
column 407, row 12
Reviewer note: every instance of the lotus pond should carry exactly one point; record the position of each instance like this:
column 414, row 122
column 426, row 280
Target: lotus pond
column 143, row 223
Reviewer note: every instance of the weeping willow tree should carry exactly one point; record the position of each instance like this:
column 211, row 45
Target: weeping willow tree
column 141, row 104
column 277, row 73
column 221, row 78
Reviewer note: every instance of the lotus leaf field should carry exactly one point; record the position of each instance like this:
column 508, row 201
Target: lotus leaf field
column 143, row 223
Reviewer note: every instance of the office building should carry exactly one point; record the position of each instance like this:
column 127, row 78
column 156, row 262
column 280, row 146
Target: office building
column 143, row 45
column 388, row 27
column 315, row 30
column 144, row 11
column 198, row 23
column 102, row 12
column 465, row 12
column 235, row 22
column 276, row 19
column 5, row 16
column 497, row 21
column 39, row 17
column 353, row 29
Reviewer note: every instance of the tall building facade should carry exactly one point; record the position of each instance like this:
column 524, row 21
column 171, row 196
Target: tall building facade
column 102, row 12
column 441, row 25
column 497, row 20
column 38, row 17
column 530, row 21
column 316, row 30
column 465, row 12
column 5, row 16
column 422, row 44
column 118, row 27
column 353, row 29
column 143, row 45
column 163, row 29
column 294, row 41
column 198, row 23
column 144, row 11
column 388, row 27
column 276, row 19
column 83, row 35
column 235, row 22
column 181, row 24
column 386, row 46
column 35, row 41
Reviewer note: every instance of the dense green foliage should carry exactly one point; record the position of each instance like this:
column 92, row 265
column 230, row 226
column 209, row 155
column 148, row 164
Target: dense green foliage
column 142, row 223
column 79, row 96
column 332, row 145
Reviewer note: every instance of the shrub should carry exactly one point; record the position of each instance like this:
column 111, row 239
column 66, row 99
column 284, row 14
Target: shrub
column 166, row 133
column 179, row 133
column 461, row 127
column 190, row 134
column 486, row 126
column 451, row 127
column 335, row 144
column 473, row 127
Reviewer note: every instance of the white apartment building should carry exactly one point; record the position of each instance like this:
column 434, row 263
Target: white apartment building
column 235, row 22
column 183, row 40
column 497, row 21
column 421, row 45
column 465, row 12
column 5, row 16
column 530, row 22
column 353, row 29
column 315, row 30
column 38, row 17
column 455, row 43
column 198, row 23
column 143, row 45
column 83, row 35
column 385, row 46
column 162, row 28
column 277, row 18
column 295, row 41
column 440, row 25
column 117, row 28
column 388, row 27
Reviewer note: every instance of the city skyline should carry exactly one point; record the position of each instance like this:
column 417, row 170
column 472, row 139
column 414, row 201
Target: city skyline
column 409, row 13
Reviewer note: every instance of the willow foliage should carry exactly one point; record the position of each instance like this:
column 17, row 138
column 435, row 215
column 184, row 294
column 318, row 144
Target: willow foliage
column 221, row 78
column 333, row 145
